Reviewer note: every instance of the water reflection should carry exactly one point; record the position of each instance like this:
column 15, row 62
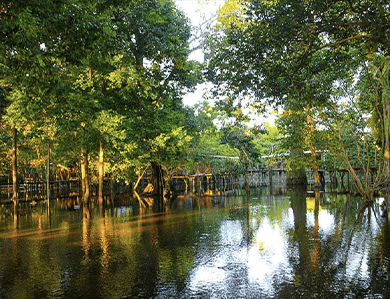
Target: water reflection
column 86, row 231
column 278, row 245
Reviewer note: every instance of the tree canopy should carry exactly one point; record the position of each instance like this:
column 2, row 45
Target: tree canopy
column 77, row 74
column 100, row 84
column 298, row 54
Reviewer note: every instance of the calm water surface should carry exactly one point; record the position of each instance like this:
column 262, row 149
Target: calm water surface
column 280, row 245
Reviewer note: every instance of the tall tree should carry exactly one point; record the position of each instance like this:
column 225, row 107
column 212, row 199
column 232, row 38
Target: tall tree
column 281, row 49
column 71, row 62
column 161, row 49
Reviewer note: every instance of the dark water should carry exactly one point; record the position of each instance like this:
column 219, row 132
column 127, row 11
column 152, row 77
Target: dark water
column 279, row 246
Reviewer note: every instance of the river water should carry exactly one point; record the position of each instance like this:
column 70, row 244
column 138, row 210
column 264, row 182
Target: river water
column 280, row 244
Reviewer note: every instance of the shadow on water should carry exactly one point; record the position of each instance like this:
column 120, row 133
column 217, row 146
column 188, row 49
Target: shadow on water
column 274, row 243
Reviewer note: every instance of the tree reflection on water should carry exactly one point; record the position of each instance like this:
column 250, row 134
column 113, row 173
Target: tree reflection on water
column 290, row 244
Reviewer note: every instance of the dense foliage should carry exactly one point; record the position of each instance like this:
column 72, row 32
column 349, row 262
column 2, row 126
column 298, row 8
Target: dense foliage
column 97, row 86
column 307, row 57
column 95, row 79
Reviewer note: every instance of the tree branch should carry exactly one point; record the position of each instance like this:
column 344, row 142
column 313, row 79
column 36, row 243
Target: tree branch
column 360, row 36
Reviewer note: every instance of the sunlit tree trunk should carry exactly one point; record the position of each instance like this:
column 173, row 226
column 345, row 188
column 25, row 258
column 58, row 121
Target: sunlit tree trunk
column 14, row 166
column 140, row 200
column 48, row 178
column 84, row 175
column 165, row 183
column 317, row 181
column 139, row 179
column 101, row 172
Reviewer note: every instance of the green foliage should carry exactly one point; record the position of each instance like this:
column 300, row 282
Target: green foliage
column 75, row 73
column 267, row 144
column 299, row 54
column 206, row 149
column 294, row 51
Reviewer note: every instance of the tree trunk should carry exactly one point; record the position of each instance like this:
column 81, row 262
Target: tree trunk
column 139, row 179
column 101, row 173
column 385, row 84
column 317, row 181
column 14, row 166
column 48, row 176
column 388, row 210
column 296, row 177
column 112, row 193
column 246, row 161
column 84, row 175
column 158, row 179
column 386, row 143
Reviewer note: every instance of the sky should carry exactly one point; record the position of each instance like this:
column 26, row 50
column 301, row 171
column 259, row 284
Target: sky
column 196, row 11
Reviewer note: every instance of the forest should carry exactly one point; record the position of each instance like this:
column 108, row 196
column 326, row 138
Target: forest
column 96, row 87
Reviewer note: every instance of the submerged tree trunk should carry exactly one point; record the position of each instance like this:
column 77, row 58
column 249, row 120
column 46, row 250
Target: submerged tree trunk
column 246, row 161
column 313, row 154
column 158, row 179
column 14, row 166
column 296, row 177
column 317, row 180
column 101, row 172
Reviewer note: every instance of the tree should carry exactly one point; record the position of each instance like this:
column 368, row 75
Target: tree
column 282, row 49
column 100, row 73
column 207, row 149
column 22, row 67
column 160, row 47
column 44, row 47
column 242, row 138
